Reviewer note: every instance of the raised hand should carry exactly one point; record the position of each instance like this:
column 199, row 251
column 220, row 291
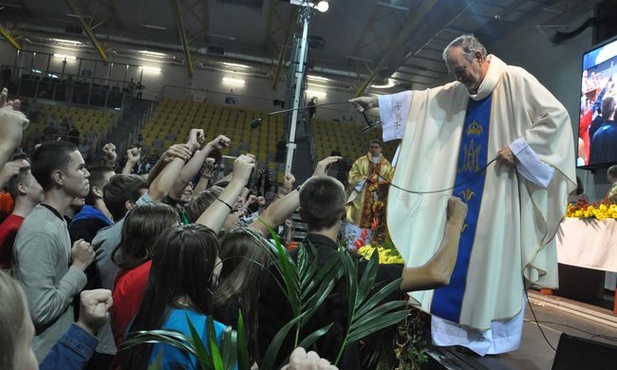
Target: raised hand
column 12, row 169
column 109, row 152
column 12, row 123
column 220, row 142
column 182, row 151
column 322, row 166
column 288, row 182
column 94, row 309
column 5, row 102
column 133, row 155
column 457, row 209
column 243, row 166
column 301, row 360
column 196, row 139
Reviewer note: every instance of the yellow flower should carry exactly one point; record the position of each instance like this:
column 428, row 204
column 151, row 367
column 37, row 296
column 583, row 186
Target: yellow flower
column 600, row 210
column 386, row 255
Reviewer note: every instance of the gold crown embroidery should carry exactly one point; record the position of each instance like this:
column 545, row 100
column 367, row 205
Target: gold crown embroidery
column 474, row 128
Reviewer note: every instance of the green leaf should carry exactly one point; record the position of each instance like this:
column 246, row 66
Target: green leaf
column 368, row 277
column 216, row 355
column 229, row 350
column 171, row 337
column 200, row 349
column 267, row 362
column 367, row 313
column 375, row 299
column 377, row 324
column 314, row 336
column 243, row 352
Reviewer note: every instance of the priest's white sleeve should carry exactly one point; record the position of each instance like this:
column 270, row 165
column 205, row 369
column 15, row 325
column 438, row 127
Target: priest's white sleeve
column 529, row 165
column 393, row 113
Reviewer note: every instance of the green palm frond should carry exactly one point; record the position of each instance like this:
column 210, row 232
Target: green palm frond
column 210, row 356
column 200, row 349
column 367, row 312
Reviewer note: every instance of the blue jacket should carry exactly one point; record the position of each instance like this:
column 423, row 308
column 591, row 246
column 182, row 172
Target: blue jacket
column 72, row 351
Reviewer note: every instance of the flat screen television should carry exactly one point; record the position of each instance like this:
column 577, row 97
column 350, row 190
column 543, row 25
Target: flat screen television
column 597, row 130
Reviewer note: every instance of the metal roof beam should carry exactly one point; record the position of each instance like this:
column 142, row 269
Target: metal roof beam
column 395, row 45
column 9, row 37
column 75, row 8
column 190, row 66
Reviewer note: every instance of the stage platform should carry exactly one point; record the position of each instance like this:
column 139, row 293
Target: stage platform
column 553, row 315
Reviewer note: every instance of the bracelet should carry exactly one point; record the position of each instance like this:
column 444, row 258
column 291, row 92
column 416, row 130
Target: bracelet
column 225, row 203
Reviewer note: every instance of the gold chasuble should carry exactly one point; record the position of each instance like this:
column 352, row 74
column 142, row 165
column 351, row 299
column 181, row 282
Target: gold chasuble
column 365, row 204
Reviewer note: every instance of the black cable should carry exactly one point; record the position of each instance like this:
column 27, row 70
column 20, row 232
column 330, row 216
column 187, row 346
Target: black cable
column 535, row 318
column 472, row 178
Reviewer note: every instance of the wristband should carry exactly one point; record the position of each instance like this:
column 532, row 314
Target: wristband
column 225, row 203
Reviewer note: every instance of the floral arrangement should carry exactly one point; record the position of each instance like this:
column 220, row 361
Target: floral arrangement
column 598, row 210
column 387, row 254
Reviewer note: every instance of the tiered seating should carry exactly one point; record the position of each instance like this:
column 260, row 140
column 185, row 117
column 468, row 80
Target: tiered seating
column 346, row 138
column 101, row 122
column 172, row 119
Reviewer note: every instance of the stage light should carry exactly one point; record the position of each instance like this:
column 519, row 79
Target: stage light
column 322, row 6
column 233, row 81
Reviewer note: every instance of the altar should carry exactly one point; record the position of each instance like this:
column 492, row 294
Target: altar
column 586, row 248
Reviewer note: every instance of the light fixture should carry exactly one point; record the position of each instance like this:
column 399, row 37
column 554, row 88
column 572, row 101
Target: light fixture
column 65, row 41
column 153, row 53
column 150, row 69
column 319, row 94
column 385, row 86
column 153, row 27
column 317, row 78
column 321, row 5
column 65, row 57
column 233, row 81
column 236, row 65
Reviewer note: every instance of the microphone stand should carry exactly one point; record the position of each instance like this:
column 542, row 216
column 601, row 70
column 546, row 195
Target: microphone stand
column 369, row 125
column 291, row 145
column 257, row 121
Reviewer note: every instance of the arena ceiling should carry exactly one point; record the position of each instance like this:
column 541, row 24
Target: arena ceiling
column 356, row 42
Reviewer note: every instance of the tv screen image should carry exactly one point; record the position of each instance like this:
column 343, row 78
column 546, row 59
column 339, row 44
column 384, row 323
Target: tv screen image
column 597, row 130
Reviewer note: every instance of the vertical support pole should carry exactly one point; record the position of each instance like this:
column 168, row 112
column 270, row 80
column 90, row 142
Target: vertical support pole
column 305, row 16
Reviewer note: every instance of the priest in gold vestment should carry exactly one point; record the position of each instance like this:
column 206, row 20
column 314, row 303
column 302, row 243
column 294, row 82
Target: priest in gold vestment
column 369, row 179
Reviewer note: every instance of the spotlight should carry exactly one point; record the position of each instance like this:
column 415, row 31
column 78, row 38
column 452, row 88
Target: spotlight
column 322, row 6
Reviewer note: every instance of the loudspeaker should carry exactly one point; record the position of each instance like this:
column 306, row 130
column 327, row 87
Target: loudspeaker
column 575, row 353
column 605, row 12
